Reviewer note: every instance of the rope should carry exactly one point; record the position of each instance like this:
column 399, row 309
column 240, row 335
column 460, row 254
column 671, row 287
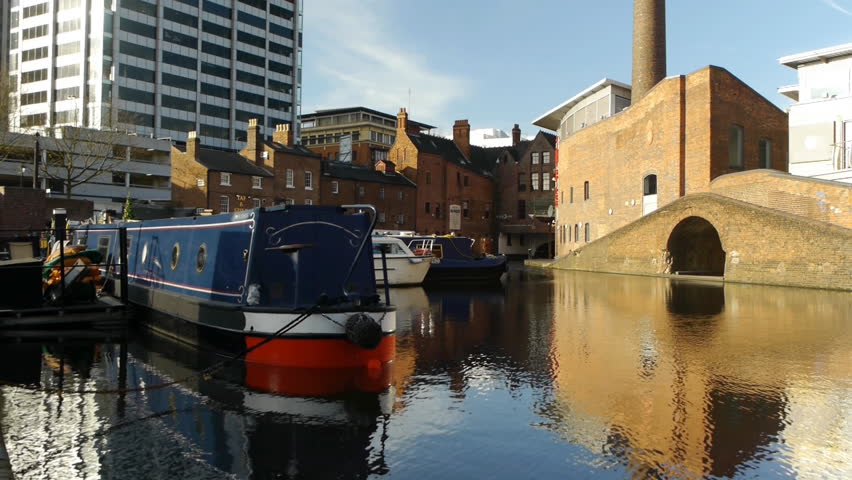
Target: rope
column 203, row 373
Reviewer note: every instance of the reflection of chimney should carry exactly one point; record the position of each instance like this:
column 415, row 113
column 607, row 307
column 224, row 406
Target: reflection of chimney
column 192, row 142
column 283, row 135
column 649, row 45
column 461, row 136
column 401, row 122
column 516, row 135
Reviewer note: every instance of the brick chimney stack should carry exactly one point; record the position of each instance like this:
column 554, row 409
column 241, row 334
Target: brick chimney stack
column 283, row 135
column 516, row 135
column 192, row 145
column 401, row 122
column 649, row 45
column 461, row 136
column 386, row 166
column 254, row 142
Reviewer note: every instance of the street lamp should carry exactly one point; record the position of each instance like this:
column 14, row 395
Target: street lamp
column 23, row 172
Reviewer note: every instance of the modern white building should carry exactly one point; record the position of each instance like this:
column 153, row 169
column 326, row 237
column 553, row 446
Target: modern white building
column 821, row 117
column 158, row 68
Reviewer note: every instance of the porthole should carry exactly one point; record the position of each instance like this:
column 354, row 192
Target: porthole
column 175, row 255
column 201, row 258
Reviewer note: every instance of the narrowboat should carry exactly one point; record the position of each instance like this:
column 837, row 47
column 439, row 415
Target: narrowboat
column 454, row 261
column 231, row 281
column 403, row 267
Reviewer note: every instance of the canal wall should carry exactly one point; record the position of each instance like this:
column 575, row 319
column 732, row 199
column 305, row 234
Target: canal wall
column 758, row 245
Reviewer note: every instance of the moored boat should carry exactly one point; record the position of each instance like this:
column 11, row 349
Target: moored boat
column 454, row 261
column 403, row 267
column 297, row 277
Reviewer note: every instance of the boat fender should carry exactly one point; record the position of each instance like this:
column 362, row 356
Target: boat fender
column 363, row 331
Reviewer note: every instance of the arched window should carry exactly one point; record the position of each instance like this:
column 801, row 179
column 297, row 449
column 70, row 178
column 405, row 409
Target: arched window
column 649, row 185
column 649, row 194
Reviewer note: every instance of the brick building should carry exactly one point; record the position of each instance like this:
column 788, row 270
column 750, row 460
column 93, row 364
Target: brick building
column 371, row 132
column 679, row 133
column 296, row 169
column 524, row 195
column 217, row 180
column 392, row 194
column 455, row 181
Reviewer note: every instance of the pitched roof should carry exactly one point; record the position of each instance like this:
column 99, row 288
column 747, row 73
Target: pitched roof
column 294, row 149
column 551, row 138
column 482, row 160
column 231, row 162
column 348, row 171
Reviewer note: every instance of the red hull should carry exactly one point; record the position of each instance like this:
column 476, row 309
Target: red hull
column 320, row 353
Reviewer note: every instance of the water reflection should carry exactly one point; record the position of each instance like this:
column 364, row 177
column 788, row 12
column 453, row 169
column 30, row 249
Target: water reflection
column 553, row 375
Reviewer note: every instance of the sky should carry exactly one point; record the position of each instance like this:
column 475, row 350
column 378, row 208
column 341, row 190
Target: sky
column 501, row 62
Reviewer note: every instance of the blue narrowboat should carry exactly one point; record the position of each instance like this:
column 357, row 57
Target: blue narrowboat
column 228, row 282
column 453, row 260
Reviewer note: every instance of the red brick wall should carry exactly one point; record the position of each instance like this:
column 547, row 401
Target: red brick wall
column 240, row 193
column 299, row 164
column 22, row 208
column 388, row 203
column 185, row 174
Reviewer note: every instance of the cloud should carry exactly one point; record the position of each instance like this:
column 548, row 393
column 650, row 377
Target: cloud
column 352, row 58
column 840, row 8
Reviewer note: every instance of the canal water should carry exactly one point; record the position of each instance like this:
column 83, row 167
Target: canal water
column 554, row 375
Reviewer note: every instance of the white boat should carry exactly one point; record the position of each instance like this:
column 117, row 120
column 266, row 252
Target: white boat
column 403, row 266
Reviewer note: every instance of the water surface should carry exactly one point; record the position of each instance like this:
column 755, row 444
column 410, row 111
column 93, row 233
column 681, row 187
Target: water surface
column 553, row 375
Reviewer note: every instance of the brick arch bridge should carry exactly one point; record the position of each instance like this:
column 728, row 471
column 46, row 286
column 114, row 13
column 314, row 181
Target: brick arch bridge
column 752, row 244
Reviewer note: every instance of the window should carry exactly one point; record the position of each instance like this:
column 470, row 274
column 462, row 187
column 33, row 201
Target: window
column 381, row 217
column 215, row 29
column 225, row 179
column 224, row 204
column 649, row 185
column 458, row 178
column 382, row 193
column 180, row 17
column 522, row 179
column 765, row 153
column 586, row 190
column 74, row 70
column 466, row 183
column 521, row 239
column 587, row 232
column 428, row 178
column 428, row 209
column 545, row 157
column 735, row 146
column 35, row 97
column 252, row 20
column 35, row 32
column 465, row 209
column 255, row 202
column 522, row 209
column 361, row 191
column 308, row 201
column 400, row 219
column 535, row 158
column 438, row 211
column 309, row 180
column 577, row 232
column 335, row 187
column 66, row 93
column 217, row 9
column 571, row 195
column 35, row 10
column 545, row 181
column 401, row 195
column 34, row 120
column 281, row 12
column 201, row 258
column 35, row 76
column 34, row 54
column 68, row 26
column 199, row 182
column 535, row 183
column 257, row 182
column 289, row 201
column 290, row 182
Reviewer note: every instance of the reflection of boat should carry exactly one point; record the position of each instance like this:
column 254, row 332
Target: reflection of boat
column 454, row 260
column 403, row 267
column 232, row 281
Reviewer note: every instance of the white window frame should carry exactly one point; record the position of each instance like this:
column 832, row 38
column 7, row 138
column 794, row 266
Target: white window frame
column 289, row 201
column 361, row 191
column 535, row 158
column 381, row 217
column 257, row 183
column 401, row 195
column 225, row 201
column 545, row 181
column 255, row 202
column 308, row 201
column 545, row 158
column 309, row 180
column 224, row 179
column 290, row 178
column 534, row 179
column 335, row 187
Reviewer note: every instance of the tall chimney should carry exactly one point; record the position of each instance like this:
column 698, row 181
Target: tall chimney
column 401, row 122
column 283, row 135
column 192, row 142
column 461, row 136
column 516, row 135
column 254, row 142
column 649, row 45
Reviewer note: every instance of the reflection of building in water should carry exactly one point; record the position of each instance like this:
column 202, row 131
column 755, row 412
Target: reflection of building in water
column 696, row 379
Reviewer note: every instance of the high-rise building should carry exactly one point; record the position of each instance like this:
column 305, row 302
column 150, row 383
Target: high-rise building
column 160, row 68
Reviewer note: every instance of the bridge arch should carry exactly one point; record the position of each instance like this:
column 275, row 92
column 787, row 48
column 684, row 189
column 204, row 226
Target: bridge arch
column 696, row 248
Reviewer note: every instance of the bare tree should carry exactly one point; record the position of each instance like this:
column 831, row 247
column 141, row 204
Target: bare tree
column 74, row 156
column 12, row 139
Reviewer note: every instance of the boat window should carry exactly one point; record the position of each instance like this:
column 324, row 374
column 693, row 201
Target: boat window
column 103, row 246
column 392, row 248
column 175, row 255
column 201, row 258
column 438, row 251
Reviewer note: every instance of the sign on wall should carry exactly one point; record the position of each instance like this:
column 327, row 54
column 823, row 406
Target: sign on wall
column 345, row 148
column 455, row 217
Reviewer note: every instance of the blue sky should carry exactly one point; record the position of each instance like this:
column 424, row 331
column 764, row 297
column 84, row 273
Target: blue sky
column 501, row 62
